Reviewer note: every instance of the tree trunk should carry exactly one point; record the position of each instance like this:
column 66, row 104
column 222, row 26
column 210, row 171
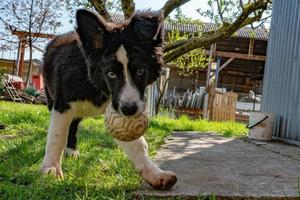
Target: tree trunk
column 28, row 75
column 162, row 94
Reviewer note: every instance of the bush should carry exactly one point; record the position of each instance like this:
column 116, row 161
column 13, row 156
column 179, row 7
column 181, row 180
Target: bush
column 1, row 89
column 31, row 91
column 1, row 86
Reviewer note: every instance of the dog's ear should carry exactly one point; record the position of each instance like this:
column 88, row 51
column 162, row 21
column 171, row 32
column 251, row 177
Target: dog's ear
column 91, row 29
column 148, row 26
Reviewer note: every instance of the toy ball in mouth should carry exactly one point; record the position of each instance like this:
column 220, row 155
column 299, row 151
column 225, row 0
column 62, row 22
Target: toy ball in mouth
column 125, row 128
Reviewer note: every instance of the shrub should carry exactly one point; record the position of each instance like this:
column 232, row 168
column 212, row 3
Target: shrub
column 1, row 86
column 31, row 91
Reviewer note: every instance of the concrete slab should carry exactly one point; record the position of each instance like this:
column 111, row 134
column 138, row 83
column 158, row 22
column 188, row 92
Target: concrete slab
column 207, row 163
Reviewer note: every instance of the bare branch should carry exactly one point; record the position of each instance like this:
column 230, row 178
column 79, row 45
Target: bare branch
column 171, row 5
column 8, row 40
column 100, row 7
column 262, row 21
column 128, row 7
column 5, row 23
column 26, row 18
column 30, row 19
column 21, row 21
column 27, row 10
column 41, row 14
column 41, row 25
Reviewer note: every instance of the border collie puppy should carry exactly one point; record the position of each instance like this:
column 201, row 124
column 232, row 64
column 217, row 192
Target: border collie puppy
column 100, row 63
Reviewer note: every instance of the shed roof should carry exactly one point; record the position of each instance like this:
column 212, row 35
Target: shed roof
column 245, row 32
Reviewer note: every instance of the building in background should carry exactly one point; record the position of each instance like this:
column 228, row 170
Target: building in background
column 281, row 87
column 8, row 66
column 241, row 58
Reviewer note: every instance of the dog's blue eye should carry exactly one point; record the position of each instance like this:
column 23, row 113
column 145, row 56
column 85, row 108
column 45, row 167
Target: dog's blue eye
column 140, row 72
column 112, row 75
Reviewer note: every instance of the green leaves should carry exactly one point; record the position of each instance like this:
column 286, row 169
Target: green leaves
column 191, row 61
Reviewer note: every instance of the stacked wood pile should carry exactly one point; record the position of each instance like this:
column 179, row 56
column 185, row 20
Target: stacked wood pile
column 193, row 113
column 189, row 103
column 241, row 117
column 41, row 99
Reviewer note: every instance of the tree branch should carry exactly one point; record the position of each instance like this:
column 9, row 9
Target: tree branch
column 171, row 5
column 225, row 31
column 241, row 4
column 41, row 25
column 18, row 17
column 128, row 8
column 261, row 22
column 174, row 45
column 220, row 11
column 100, row 7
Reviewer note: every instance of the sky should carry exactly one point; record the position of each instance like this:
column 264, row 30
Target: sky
column 188, row 9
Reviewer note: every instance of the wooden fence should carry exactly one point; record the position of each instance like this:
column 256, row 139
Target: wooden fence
column 222, row 106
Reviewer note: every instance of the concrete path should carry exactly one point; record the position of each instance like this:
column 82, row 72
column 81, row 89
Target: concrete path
column 230, row 168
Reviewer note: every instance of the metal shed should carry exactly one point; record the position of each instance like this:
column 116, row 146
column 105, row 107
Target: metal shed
column 281, row 86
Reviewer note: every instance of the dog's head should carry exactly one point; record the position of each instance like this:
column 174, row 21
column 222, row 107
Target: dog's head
column 126, row 57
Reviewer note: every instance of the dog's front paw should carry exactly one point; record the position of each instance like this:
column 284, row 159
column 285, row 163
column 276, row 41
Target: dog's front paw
column 56, row 171
column 163, row 180
column 69, row 152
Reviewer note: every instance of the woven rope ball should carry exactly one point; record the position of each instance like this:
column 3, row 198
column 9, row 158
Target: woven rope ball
column 125, row 128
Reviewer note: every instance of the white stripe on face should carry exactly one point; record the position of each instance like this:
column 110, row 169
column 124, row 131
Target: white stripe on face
column 122, row 58
column 129, row 92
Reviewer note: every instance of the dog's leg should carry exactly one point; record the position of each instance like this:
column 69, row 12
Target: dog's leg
column 70, row 149
column 137, row 152
column 56, row 141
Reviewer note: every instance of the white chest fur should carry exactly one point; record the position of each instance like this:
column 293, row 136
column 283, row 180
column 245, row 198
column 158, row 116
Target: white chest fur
column 87, row 108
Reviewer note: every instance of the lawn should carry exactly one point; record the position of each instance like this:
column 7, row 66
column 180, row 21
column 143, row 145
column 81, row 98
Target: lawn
column 101, row 172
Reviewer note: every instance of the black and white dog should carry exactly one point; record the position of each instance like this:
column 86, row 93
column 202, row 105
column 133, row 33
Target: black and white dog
column 99, row 63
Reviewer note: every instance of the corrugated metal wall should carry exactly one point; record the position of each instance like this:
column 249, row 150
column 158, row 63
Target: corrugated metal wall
column 281, row 89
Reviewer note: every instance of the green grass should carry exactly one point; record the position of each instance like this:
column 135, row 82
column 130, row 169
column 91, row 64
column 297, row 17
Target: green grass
column 101, row 172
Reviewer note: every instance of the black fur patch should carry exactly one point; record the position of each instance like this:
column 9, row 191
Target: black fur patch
column 72, row 136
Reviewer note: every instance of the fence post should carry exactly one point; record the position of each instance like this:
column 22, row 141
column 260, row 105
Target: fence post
column 151, row 94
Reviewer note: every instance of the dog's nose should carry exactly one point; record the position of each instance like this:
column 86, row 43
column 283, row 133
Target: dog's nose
column 129, row 108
